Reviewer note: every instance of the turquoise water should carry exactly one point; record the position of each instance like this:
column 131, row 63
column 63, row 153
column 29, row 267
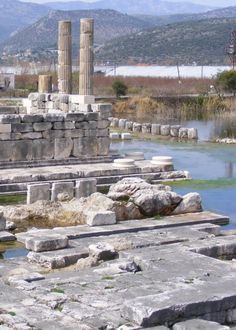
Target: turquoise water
column 204, row 161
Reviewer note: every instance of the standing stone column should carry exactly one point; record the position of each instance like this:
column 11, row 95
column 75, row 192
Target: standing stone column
column 64, row 57
column 45, row 84
column 86, row 56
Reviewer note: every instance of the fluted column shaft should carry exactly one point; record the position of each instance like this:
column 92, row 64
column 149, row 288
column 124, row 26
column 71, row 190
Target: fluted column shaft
column 64, row 57
column 86, row 56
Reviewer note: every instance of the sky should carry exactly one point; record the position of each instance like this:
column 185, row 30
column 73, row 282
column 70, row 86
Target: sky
column 218, row 3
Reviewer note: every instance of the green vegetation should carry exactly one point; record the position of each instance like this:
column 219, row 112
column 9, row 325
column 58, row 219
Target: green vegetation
column 12, row 313
column 202, row 184
column 201, row 41
column 12, row 199
column 119, row 88
column 191, row 108
column 108, row 278
column 226, row 80
column 57, row 290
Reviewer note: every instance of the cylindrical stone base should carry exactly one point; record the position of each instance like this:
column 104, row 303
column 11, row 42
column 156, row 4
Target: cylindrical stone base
column 45, row 84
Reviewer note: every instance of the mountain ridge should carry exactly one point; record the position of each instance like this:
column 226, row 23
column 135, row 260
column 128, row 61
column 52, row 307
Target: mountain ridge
column 43, row 33
column 158, row 7
column 202, row 42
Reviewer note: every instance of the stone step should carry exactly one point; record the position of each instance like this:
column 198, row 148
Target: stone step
column 58, row 259
column 205, row 219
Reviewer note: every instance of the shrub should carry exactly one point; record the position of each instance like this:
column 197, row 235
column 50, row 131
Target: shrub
column 226, row 80
column 119, row 88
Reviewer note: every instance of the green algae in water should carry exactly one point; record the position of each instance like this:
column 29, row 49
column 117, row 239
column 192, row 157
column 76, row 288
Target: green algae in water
column 202, row 184
column 12, row 199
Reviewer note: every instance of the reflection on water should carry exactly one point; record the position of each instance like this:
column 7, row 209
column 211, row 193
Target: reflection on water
column 205, row 161
column 229, row 169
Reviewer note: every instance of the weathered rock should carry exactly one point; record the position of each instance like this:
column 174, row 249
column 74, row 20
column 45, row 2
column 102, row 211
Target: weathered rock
column 156, row 129
column 102, row 251
column 10, row 225
column 100, row 218
column 191, row 203
column 153, row 202
column 125, row 188
column 197, row 324
column 165, row 130
column 47, row 243
column 150, row 200
column 6, row 237
column 192, row 133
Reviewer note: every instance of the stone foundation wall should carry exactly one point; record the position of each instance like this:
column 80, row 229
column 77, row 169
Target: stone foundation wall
column 44, row 103
column 54, row 135
column 175, row 131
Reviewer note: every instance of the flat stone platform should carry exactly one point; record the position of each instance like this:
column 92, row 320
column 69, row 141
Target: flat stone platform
column 159, row 278
column 83, row 231
column 16, row 180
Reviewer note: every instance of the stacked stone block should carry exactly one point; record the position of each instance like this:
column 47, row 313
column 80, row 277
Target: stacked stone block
column 175, row 131
column 54, row 136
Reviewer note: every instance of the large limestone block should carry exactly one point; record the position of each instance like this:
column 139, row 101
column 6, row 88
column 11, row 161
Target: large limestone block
column 46, row 243
column 63, row 148
column 10, row 119
column 62, row 188
column 53, row 117
column 31, row 136
column 42, row 149
column 122, row 123
column 77, row 117
column 156, row 129
column 64, row 125
column 39, row 127
column 101, row 218
column 183, row 133
column 22, row 128
column 103, row 146
column 192, row 133
column 85, row 187
column 5, row 128
column 191, row 203
column 37, row 192
column 165, row 130
column 102, row 251
column 146, row 128
column 16, row 150
column 174, row 130
column 85, row 146
column 137, row 127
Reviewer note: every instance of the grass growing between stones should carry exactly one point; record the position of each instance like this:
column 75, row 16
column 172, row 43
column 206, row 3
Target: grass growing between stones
column 12, row 199
column 57, row 290
column 202, row 184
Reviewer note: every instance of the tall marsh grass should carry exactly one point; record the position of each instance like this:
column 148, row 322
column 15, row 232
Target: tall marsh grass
column 170, row 109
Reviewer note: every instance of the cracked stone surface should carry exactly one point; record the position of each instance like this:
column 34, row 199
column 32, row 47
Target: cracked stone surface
column 161, row 277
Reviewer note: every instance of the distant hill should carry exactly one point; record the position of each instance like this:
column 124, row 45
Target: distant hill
column 201, row 41
column 43, row 34
column 15, row 15
column 153, row 7
column 169, row 19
